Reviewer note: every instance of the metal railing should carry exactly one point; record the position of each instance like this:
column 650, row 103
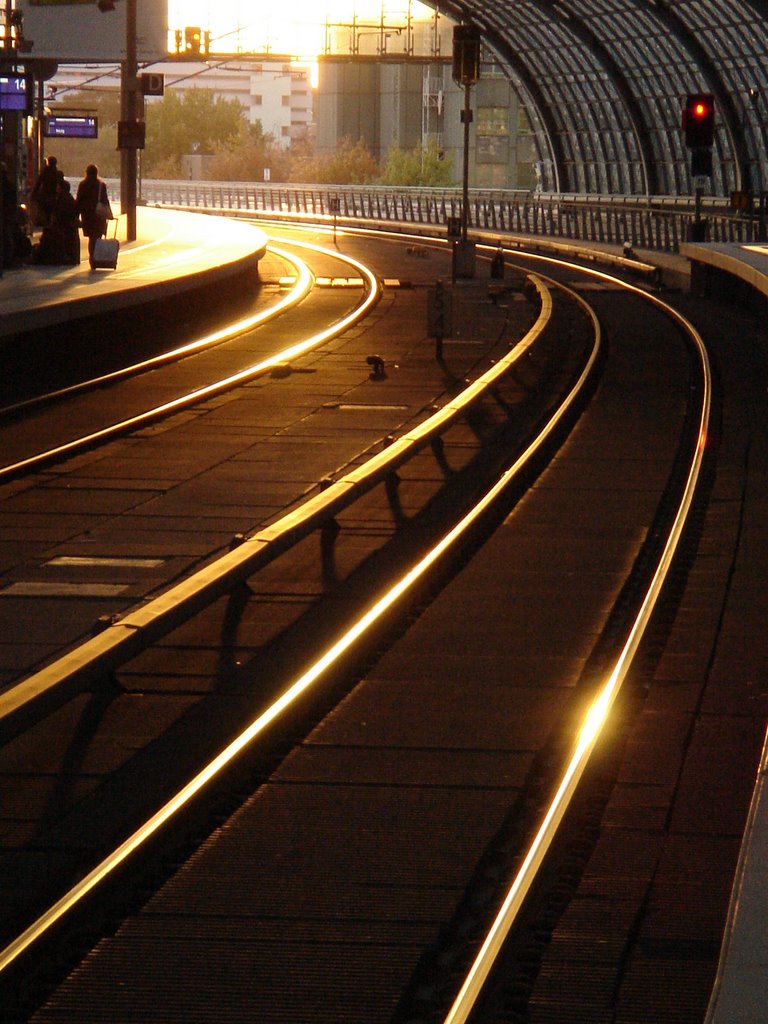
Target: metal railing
column 653, row 222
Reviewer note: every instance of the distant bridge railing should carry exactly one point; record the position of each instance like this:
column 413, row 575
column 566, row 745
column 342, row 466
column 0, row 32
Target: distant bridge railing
column 654, row 222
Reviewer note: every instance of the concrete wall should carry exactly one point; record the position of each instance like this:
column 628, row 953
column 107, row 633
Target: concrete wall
column 401, row 106
column 348, row 105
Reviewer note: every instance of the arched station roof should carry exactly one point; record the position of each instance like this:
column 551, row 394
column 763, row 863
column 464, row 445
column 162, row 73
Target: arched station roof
column 604, row 83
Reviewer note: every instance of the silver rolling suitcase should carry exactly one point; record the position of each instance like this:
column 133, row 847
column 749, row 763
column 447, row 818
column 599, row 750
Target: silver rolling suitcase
column 105, row 252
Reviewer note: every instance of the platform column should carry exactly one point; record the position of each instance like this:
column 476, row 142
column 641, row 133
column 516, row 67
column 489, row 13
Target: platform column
column 129, row 142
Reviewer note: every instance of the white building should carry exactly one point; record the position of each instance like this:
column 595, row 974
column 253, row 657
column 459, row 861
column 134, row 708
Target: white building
column 275, row 91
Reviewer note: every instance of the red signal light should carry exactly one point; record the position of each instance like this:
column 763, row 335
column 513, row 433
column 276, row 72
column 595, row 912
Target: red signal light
column 699, row 120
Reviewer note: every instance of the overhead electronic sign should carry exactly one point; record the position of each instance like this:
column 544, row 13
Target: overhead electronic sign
column 15, row 91
column 71, row 126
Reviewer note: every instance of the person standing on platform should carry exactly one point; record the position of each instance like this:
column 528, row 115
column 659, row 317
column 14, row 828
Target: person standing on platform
column 92, row 205
column 43, row 194
column 64, row 220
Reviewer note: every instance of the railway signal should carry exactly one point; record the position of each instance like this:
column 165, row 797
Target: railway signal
column 466, row 54
column 466, row 72
column 699, row 120
column 192, row 40
column 699, row 128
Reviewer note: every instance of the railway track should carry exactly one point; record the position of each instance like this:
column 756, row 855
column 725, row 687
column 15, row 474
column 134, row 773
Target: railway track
column 26, row 390
column 644, row 549
column 23, row 436
column 205, row 412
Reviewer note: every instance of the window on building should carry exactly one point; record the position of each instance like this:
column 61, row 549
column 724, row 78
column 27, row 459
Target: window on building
column 286, row 101
column 493, row 121
column 256, row 100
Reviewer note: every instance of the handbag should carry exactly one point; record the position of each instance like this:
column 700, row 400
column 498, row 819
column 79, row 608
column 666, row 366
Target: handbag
column 103, row 210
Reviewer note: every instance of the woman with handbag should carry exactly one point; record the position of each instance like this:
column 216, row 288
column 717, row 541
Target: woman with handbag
column 93, row 208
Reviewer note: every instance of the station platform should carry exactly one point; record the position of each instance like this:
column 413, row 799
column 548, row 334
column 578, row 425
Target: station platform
column 729, row 270
column 172, row 253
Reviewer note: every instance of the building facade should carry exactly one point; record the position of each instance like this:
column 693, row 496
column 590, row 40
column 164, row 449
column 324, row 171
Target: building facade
column 276, row 92
column 412, row 103
column 389, row 83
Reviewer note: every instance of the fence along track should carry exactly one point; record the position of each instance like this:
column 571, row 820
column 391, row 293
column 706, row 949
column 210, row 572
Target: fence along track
column 654, row 222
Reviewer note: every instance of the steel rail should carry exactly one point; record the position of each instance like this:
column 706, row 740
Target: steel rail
column 144, row 625
column 290, row 299
column 597, row 715
column 312, row 675
column 373, row 292
column 414, row 229
column 586, row 740
column 511, row 243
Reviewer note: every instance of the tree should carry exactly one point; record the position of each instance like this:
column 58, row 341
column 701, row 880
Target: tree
column 417, row 166
column 349, row 164
column 196, row 121
column 246, row 157
column 73, row 155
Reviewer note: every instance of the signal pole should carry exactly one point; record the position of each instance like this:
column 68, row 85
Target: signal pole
column 466, row 71
column 130, row 130
column 467, row 119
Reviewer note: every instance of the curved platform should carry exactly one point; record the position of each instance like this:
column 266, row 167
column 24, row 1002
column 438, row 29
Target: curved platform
column 730, row 271
column 740, row 995
column 173, row 253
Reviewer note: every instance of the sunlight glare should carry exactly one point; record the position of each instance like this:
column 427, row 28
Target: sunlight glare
column 239, row 26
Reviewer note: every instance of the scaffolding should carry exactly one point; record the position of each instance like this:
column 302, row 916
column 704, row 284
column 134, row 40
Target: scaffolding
column 385, row 38
column 432, row 107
